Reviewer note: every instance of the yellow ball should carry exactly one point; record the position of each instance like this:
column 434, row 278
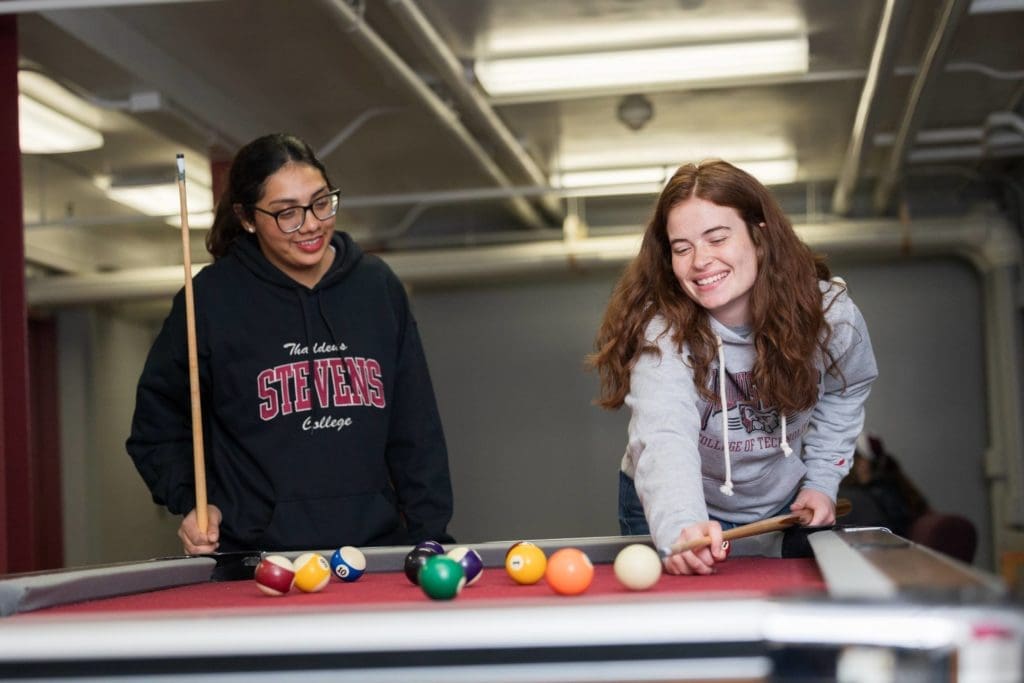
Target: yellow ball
column 637, row 567
column 525, row 563
column 312, row 572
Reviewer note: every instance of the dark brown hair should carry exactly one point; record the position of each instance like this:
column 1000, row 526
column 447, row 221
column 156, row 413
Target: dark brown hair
column 252, row 165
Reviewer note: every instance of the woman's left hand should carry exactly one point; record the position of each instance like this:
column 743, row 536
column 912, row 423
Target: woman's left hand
column 820, row 505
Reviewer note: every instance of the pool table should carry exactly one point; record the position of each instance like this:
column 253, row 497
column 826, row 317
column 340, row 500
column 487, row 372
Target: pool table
column 865, row 605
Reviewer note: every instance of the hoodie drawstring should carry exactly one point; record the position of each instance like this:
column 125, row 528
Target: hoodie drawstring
column 785, row 444
column 725, row 488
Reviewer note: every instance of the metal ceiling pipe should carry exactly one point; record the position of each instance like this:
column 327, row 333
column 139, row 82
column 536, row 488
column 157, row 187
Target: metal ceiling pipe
column 890, row 30
column 374, row 47
column 472, row 103
column 185, row 94
column 988, row 242
column 921, row 90
column 26, row 6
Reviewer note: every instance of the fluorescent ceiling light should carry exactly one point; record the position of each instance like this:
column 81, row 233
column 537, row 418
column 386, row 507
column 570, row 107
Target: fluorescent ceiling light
column 686, row 65
column 162, row 199
column 506, row 40
column 52, row 119
column 771, row 171
column 646, row 175
column 43, row 130
column 668, row 150
column 45, row 90
column 202, row 220
column 652, row 178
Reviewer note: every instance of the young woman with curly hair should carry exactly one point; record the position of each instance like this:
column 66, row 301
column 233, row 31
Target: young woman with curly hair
column 745, row 367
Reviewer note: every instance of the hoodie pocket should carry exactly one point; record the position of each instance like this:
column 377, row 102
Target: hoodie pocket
column 321, row 523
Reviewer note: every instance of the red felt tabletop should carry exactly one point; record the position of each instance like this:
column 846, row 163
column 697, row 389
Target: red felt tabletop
column 738, row 577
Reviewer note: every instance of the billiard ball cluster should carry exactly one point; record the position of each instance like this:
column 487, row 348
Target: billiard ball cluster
column 570, row 572
column 276, row 575
column 441, row 575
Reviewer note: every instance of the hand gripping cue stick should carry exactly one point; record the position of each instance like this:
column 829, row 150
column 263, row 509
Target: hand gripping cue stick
column 199, row 460
column 778, row 523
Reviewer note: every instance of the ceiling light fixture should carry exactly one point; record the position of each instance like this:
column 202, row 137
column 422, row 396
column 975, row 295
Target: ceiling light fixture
column 42, row 130
column 507, row 38
column 772, row 171
column 608, row 177
column 645, row 179
column 672, row 148
column 158, row 198
column 539, row 77
column 50, row 118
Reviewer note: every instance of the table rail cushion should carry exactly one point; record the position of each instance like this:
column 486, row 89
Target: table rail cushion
column 28, row 592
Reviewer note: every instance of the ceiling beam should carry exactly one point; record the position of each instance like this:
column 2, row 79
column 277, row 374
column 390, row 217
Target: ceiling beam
column 186, row 88
column 890, row 33
column 921, row 91
column 26, row 6
column 373, row 46
column 987, row 240
column 473, row 105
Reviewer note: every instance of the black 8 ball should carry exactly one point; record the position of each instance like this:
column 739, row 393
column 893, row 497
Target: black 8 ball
column 416, row 558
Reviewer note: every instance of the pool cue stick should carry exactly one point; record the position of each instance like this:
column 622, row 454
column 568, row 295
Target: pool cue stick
column 764, row 526
column 198, row 457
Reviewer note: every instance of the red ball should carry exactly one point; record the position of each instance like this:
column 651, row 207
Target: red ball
column 275, row 575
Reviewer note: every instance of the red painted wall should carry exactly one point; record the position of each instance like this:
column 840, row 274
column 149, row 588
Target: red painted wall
column 17, row 527
column 31, row 535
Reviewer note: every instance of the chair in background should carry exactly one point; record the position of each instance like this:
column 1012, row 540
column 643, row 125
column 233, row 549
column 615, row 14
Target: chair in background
column 951, row 534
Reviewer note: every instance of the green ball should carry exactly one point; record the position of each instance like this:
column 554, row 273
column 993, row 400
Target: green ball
column 441, row 577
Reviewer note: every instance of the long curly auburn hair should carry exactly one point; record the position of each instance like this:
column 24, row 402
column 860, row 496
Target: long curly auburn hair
column 788, row 324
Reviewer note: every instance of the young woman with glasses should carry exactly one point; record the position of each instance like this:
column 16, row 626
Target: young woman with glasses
column 319, row 418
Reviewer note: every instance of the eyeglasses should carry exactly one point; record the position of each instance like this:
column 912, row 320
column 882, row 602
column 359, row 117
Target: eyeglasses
column 291, row 219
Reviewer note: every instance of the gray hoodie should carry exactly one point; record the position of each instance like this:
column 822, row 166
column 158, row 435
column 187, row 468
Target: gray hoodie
column 676, row 454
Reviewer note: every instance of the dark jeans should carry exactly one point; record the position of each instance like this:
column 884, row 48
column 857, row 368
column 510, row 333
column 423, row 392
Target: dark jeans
column 632, row 521
column 631, row 513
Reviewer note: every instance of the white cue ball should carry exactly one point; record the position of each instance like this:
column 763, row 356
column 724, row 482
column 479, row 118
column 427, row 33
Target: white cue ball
column 637, row 567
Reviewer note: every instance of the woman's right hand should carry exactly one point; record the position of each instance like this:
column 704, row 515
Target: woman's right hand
column 699, row 560
column 196, row 542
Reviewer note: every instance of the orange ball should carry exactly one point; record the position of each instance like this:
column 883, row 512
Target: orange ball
column 569, row 571
column 525, row 563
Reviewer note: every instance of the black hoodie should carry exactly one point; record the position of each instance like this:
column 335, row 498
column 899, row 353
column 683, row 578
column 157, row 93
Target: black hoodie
column 320, row 424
